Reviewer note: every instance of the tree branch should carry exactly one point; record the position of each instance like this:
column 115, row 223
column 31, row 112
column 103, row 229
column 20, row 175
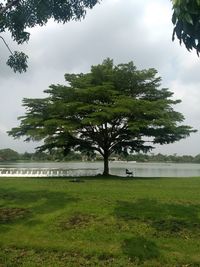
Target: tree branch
column 6, row 45
column 9, row 5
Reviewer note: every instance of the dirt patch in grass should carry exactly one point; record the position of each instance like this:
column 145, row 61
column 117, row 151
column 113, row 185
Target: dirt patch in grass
column 77, row 220
column 11, row 214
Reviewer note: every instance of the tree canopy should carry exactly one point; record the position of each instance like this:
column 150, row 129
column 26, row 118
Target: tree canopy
column 186, row 20
column 17, row 16
column 111, row 109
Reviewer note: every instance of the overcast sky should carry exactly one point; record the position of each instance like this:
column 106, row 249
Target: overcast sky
column 131, row 30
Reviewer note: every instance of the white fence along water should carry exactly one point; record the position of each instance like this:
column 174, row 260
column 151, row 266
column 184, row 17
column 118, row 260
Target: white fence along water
column 45, row 172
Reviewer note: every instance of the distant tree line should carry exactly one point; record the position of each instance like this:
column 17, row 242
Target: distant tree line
column 164, row 158
column 11, row 155
column 8, row 155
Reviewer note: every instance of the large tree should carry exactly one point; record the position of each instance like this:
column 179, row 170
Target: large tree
column 17, row 16
column 110, row 109
column 186, row 20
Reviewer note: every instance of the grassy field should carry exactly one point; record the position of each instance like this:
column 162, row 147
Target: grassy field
column 100, row 222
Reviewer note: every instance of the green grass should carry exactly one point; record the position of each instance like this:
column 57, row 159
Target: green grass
column 100, row 222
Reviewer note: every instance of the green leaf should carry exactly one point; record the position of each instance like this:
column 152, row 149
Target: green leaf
column 188, row 18
column 18, row 62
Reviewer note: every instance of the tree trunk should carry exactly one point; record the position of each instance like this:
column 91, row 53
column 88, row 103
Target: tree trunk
column 106, row 164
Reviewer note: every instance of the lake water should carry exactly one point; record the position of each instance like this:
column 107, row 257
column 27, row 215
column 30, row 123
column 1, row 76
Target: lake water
column 117, row 168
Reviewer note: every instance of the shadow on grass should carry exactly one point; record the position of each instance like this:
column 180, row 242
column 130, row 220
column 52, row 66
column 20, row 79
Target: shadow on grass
column 121, row 178
column 4, row 228
column 35, row 202
column 171, row 218
column 164, row 219
column 139, row 249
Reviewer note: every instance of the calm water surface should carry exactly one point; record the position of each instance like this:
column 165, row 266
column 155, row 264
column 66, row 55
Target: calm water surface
column 118, row 168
